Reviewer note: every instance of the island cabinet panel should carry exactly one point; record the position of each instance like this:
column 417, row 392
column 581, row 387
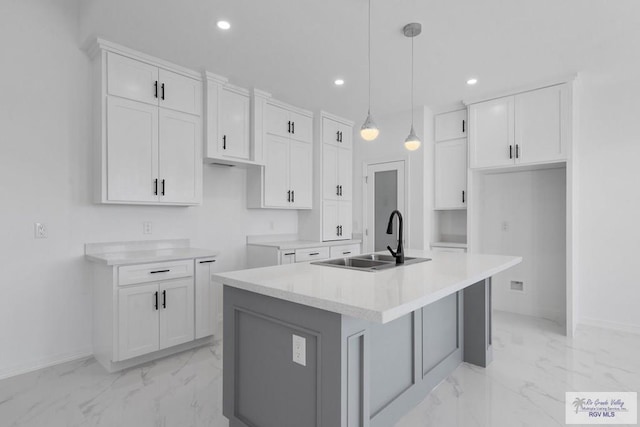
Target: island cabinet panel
column 391, row 369
column 440, row 329
column 264, row 356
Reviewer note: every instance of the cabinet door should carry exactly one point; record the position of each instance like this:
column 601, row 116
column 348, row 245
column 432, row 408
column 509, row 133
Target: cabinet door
column 330, row 189
column 538, row 124
column 330, row 220
column 233, row 115
column 276, row 171
column 132, row 151
column 301, row 127
column 179, row 92
column 276, row 121
column 180, row 167
column 138, row 331
column 451, row 125
column 131, row 79
column 451, row 174
column 301, row 175
column 176, row 312
column 346, row 136
column 205, row 298
column 330, row 131
column 345, row 220
column 492, row 133
column 345, row 173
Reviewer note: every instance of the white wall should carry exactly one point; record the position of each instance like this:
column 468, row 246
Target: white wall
column 532, row 206
column 389, row 146
column 45, row 116
column 608, row 205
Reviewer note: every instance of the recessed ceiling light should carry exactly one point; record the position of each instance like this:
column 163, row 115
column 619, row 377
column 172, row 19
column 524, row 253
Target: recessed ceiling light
column 224, row 25
column 471, row 82
column 339, row 82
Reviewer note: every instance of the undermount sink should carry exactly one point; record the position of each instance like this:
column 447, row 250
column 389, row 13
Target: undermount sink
column 369, row 262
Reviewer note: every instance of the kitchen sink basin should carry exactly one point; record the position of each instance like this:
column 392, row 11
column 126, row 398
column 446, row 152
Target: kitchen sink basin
column 369, row 262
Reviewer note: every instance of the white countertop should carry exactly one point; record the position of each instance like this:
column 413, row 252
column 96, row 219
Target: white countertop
column 380, row 296
column 145, row 256
column 303, row 244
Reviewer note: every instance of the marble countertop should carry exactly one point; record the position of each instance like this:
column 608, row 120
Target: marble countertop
column 154, row 255
column 304, row 244
column 380, row 296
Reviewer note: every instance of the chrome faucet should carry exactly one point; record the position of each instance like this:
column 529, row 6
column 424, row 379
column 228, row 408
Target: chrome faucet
column 398, row 254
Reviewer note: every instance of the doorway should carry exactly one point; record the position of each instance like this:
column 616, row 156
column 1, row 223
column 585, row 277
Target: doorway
column 385, row 192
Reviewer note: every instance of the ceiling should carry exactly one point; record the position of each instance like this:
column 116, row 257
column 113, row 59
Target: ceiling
column 296, row 48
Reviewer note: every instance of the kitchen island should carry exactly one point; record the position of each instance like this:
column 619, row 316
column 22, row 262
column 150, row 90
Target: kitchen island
column 313, row 345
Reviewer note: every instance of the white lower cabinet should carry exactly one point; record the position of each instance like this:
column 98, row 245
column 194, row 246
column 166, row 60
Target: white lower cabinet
column 154, row 316
column 145, row 311
column 138, row 324
column 176, row 312
column 207, row 298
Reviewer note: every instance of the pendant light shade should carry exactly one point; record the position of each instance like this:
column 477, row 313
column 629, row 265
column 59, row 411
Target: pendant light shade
column 369, row 130
column 412, row 142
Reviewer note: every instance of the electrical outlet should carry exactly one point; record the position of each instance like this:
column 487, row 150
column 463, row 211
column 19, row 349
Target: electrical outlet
column 40, row 230
column 517, row 285
column 147, row 227
column 299, row 350
column 505, row 225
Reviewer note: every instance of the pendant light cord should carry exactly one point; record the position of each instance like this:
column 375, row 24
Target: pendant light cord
column 412, row 37
column 369, row 56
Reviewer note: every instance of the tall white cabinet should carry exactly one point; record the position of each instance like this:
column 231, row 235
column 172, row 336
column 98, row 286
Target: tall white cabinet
column 148, row 128
column 283, row 140
column 332, row 214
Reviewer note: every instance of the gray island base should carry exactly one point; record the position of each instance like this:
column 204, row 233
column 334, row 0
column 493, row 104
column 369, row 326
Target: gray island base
column 356, row 372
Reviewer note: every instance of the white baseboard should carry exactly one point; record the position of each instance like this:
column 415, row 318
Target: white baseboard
column 554, row 316
column 607, row 324
column 23, row 368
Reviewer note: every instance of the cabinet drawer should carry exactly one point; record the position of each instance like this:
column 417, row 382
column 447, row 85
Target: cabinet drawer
column 345, row 251
column 312, row 254
column 142, row 273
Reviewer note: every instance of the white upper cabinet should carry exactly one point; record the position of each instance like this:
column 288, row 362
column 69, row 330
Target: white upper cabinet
column 149, row 129
column 234, row 123
column 540, row 124
column 283, row 137
column 300, row 178
column 179, row 92
column 228, row 122
column 132, row 79
column 132, row 129
column 277, row 192
column 179, row 148
column 451, row 125
column 492, row 136
column 527, row 128
column 451, row 174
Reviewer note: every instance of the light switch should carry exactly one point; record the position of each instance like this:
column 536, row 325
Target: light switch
column 299, row 350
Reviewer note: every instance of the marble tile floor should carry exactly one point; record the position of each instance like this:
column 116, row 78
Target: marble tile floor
column 534, row 364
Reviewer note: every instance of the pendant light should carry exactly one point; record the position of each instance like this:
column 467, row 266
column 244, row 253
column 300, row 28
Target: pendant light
column 369, row 130
column 412, row 142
